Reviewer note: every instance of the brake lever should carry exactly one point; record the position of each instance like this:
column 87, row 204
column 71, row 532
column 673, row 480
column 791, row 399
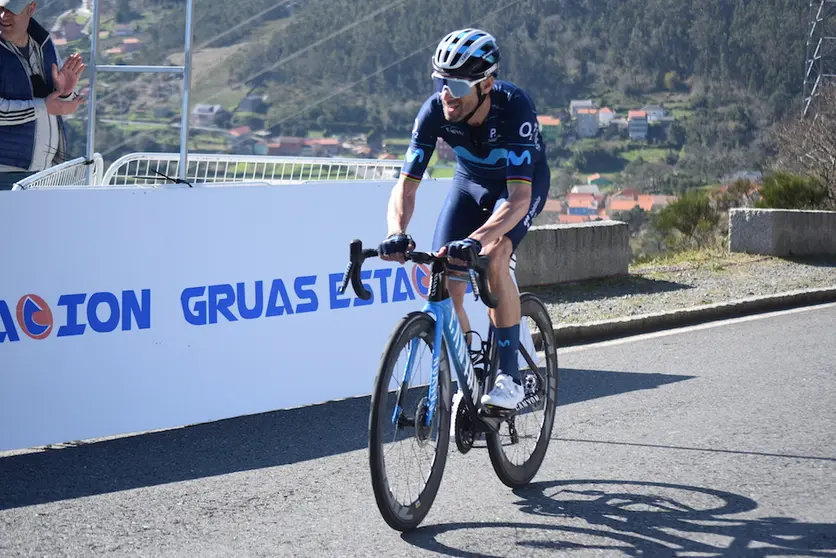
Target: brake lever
column 357, row 255
column 481, row 281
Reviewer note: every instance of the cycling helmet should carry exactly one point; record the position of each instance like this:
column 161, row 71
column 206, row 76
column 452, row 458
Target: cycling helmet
column 468, row 54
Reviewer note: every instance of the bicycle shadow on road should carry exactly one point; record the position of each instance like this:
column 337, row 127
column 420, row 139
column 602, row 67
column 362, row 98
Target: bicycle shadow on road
column 634, row 518
column 576, row 386
column 234, row 445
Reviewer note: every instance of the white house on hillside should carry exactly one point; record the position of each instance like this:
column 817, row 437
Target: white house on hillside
column 637, row 125
column 575, row 106
column 585, row 189
column 655, row 113
column 605, row 116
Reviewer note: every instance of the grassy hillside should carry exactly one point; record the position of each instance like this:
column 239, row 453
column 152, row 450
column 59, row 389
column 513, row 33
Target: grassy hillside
column 725, row 69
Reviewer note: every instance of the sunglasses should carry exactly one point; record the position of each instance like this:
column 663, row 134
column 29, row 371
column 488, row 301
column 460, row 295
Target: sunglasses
column 457, row 87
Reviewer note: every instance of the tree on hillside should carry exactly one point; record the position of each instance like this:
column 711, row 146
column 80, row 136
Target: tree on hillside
column 740, row 193
column 124, row 13
column 782, row 190
column 336, row 64
column 807, row 145
column 691, row 215
column 635, row 218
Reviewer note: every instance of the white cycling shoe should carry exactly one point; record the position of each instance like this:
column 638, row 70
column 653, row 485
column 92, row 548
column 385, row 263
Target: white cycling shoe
column 506, row 393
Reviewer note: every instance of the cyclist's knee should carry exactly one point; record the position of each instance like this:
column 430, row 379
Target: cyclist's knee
column 499, row 253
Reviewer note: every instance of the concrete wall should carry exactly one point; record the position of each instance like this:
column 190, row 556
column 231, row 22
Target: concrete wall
column 561, row 253
column 782, row 232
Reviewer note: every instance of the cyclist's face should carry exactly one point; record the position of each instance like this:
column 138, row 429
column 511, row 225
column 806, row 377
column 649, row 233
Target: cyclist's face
column 457, row 108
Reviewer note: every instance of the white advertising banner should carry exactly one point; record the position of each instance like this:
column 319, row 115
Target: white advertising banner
column 134, row 309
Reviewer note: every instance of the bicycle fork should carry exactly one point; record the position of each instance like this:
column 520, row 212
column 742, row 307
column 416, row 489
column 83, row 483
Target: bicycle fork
column 447, row 329
column 407, row 374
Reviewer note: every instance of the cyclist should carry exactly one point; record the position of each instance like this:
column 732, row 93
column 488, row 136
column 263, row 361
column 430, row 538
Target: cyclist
column 500, row 184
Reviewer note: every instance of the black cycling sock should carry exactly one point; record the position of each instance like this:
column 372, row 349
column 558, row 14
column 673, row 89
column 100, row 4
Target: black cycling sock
column 508, row 343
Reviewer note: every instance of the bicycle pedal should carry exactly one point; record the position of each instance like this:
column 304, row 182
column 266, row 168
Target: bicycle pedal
column 490, row 411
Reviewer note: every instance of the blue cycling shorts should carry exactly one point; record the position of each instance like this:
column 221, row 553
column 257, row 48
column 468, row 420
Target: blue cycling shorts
column 469, row 205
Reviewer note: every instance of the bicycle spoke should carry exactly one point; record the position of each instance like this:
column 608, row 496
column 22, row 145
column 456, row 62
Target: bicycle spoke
column 408, row 469
column 516, row 454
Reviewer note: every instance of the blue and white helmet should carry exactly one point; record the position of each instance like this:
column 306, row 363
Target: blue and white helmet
column 468, row 54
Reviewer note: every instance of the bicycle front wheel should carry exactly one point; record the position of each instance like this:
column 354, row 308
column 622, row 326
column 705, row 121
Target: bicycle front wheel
column 518, row 449
column 409, row 423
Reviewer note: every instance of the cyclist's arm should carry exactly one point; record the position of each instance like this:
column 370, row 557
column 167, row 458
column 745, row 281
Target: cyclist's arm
column 416, row 160
column 507, row 216
column 401, row 204
column 521, row 135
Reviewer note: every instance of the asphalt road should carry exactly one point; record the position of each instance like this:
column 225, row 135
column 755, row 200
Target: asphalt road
column 714, row 441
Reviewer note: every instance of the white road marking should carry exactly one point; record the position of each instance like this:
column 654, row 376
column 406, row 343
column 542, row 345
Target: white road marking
column 688, row 329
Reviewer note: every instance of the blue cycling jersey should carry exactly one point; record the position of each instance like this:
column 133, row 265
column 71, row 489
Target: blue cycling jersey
column 505, row 148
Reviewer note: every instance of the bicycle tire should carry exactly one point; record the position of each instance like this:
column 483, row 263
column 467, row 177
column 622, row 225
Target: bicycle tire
column 399, row 516
column 512, row 475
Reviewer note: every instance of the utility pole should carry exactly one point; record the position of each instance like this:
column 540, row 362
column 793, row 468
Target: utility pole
column 820, row 63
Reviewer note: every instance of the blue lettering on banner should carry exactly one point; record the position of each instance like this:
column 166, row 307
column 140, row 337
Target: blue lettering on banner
column 399, row 290
column 208, row 304
column 103, row 312
column 212, row 304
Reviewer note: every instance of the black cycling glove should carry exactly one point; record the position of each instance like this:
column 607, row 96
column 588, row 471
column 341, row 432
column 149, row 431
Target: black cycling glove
column 397, row 243
column 466, row 250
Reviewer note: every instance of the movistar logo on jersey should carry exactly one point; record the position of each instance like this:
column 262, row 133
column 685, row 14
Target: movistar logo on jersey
column 519, row 160
column 495, row 156
column 415, row 153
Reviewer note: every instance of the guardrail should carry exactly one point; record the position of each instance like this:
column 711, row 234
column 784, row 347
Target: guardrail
column 142, row 168
column 552, row 254
column 69, row 173
column 782, row 232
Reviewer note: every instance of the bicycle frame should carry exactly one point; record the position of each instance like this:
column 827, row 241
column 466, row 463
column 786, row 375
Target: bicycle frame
column 448, row 328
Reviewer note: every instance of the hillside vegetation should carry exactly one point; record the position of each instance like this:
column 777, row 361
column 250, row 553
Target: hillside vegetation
column 727, row 69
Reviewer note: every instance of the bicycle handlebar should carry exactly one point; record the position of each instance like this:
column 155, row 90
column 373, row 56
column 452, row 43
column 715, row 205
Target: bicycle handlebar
column 477, row 271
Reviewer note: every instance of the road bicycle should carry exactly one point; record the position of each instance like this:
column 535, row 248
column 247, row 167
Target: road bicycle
column 422, row 412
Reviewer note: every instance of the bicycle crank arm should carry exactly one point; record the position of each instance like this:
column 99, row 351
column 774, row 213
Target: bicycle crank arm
column 492, row 418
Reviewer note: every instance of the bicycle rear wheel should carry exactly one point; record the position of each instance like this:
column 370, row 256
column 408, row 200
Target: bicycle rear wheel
column 518, row 449
column 399, row 407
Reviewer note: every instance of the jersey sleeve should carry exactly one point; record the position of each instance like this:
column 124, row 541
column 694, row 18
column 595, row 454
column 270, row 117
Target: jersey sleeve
column 523, row 133
column 422, row 145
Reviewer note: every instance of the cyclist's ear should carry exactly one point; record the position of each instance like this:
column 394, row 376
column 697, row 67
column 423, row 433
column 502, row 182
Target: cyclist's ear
column 487, row 85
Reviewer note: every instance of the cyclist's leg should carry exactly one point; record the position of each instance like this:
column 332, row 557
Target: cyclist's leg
column 461, row 214
column 506, row 316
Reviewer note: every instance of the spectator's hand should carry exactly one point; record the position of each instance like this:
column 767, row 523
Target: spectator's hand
column 67, row 78
column 57, row 107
